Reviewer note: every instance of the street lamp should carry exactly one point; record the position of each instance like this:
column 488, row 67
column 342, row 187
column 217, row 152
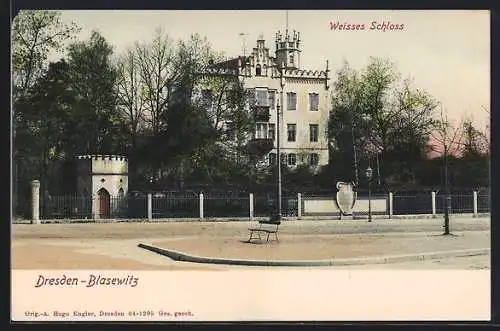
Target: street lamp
column 447, row 207
column 278, row 162
column 281, row 67
column 368, row 174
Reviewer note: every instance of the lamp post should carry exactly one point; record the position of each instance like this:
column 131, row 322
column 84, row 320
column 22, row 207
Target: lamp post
column 278, row 140
column 447, row 208
column 278, row 162
column 369, row 173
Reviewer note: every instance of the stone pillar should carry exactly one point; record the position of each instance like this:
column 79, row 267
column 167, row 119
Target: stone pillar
column 201, row 206
column 150, row 206
column 434, row 204
column 35, row 202
column 251, row 206
column 299, row 206
column 391, row 208
column 474, row 195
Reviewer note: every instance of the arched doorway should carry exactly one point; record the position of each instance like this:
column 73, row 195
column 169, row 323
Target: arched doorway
column 103, row 195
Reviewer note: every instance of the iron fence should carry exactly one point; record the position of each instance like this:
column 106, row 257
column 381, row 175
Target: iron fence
column 463, row 203
column 66, row 207
column 404, row 204
column 237, row 204
column 175, row 205
column 230, row 204
column 266, row 205
column 483, row 203
column 130, row 207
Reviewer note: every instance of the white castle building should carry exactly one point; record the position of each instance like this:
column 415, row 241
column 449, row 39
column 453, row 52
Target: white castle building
column 105, row 178
column 302, row 95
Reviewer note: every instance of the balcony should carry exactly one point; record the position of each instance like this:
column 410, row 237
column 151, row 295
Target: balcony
column 261, row 113
column 260, row 146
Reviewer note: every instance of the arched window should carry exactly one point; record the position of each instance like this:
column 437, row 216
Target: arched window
column 291, row 58
column 257, row 70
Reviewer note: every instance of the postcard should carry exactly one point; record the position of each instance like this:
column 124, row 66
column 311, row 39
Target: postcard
column 268, row 165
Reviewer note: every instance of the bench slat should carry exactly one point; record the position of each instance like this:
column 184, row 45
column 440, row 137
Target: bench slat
column 270, row 222
column 264, row 230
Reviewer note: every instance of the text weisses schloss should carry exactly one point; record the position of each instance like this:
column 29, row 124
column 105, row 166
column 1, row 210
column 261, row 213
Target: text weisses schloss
column 93, row 280
column 374, row 26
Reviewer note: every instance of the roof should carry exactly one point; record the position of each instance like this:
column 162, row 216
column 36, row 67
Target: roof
column 234, row 63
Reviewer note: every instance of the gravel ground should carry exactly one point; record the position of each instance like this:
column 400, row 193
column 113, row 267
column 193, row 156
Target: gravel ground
column 114, row 245
column 316, row 247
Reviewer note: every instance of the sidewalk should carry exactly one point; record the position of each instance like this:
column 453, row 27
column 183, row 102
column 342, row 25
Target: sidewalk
column 302, row 250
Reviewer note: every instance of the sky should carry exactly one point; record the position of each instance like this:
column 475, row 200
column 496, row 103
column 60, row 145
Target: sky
column 446, row 53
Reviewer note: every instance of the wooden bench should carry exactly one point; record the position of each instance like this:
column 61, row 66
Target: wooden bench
column 267, row 226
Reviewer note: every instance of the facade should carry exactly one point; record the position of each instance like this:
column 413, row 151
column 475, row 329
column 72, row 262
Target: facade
column 103, row 177
column 302, row 96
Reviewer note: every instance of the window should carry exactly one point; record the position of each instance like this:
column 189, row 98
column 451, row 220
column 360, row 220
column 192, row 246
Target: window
column 313, row 101
column 292, row 132
column 272, row 99
column 264, row 130
column 261, row 130
column 313, row 132
column 291, row 100
column 291, row 58
column 261, row 96
column 313, row 159
column 291, row 159
column 257, row 70
column 272, row 158
column 272, row 131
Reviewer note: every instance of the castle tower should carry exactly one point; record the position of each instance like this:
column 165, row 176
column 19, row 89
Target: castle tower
column 288, row 49
column 105, row 178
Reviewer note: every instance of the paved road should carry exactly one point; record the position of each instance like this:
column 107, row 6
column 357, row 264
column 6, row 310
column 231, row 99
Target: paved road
column 430, row 225
column 472, row 232
column 175, row 229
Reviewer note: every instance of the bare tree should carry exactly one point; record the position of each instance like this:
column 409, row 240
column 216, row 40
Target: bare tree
column 447, row 138
column 130, row 90
column 159, row 71
column 447, row 142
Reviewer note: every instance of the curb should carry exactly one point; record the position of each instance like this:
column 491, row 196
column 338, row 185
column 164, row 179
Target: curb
column 179, row 256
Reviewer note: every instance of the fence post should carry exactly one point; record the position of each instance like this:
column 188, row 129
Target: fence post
column 35, row 202
column 251, row 206
column 390, row 205
column 201, row 205
column 474, row 195
column 299, row 206
column 150, row 206
column 433, row 204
